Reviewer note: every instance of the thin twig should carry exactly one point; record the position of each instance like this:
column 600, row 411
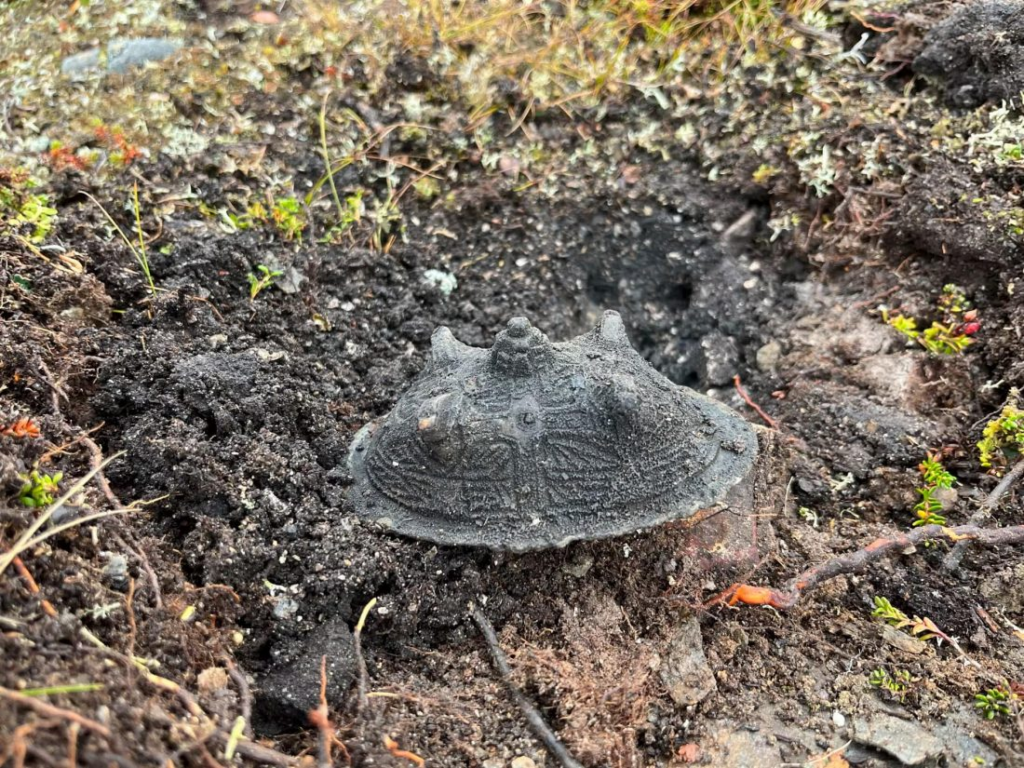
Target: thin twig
column 33, row 587
column 746, row 398
column 133, row 628
column 952, row 560
column 257, row 753
column 48, row 710
column 533, row 717
column 139, row 554
column 244, row 694
column 853, row 562
column 247, row 749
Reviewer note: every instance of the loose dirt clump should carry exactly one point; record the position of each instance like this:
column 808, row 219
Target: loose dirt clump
column 976, row 52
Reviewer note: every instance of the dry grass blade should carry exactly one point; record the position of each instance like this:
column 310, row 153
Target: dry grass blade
column 140, row 256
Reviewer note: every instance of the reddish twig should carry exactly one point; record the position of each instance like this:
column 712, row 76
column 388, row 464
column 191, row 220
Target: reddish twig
column 876, row 298
column 952, row 560
column 319, row 717
column 48, row 710
column 853, row 562
column 403, row 754
column 746, row 398
column 33, row 587
column 133, row 628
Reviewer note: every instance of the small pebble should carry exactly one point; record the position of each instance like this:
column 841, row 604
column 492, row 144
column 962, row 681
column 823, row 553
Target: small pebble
column 115, row 572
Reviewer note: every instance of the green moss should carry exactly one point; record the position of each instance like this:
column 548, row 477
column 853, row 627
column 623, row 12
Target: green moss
column 1003, row 438
column 22, row 210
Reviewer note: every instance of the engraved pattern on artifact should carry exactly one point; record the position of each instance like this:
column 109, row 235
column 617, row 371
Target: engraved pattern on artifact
column 530, row 444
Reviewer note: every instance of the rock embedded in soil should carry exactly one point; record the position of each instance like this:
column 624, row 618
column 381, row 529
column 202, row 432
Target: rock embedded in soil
column 1003, row 588
column 115, row 572
column 739, row 748
column 768, row 356
column 907, row 741
column 685, row 670
column 120, row 55
column 532, row 444
column 721, row 358
column 902, row 641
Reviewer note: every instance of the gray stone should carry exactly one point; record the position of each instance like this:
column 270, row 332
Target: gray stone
column 685, row 671
column 768, row 356
column 285, row 608
column 579, row 566
column 38, row 145
column 291, row 281
column 731, row 748
column 962, row 748
column 1003, row 588
column 115, row 572
column 906, row 741
column 533, row 444
column 120, row 55
column 721, row 358
column 902, row 640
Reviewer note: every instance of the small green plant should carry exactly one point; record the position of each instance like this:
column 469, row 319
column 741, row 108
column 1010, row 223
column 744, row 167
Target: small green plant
column 763, row 173
column 266, row 278
column 995, row 702
column 936, row 478
column 923, row 629
column 39, row 488
column 898, row 684
column 935, row 474
column 949, row 337
column 385, row 215
column 1012, row 152
column 327, row 158
column 938, row 339
column 350, row 213
column 21, row 208
column 287, row 216
column 928, row 509
column 1002, row 439
column 809, row 515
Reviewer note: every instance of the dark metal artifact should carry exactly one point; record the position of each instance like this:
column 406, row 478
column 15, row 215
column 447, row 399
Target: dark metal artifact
column 532, row 444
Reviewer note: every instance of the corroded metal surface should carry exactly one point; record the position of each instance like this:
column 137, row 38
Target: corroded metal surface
column 532, row 444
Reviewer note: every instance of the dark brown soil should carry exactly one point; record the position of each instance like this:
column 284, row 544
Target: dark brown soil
column 232, row 417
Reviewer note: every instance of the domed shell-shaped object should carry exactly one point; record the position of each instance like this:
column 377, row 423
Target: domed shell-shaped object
column 532, row 444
